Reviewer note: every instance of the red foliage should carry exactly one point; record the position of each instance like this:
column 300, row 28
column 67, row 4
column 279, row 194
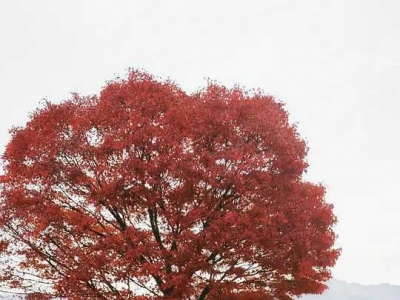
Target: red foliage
column 146, row 192
column 38, row 296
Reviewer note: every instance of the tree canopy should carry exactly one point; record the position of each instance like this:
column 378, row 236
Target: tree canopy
column 146, row 192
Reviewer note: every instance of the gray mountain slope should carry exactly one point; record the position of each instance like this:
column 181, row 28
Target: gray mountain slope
column 10, row 297
column 341, row 290
column 338, row 290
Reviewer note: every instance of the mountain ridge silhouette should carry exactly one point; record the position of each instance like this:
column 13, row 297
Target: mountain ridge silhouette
column 338, row 290
column 342, row 290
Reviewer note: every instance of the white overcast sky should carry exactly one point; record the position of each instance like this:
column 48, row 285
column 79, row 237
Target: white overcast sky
column 335, row 63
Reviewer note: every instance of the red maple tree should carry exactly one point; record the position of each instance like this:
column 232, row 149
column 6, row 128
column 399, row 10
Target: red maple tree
column 145, row 192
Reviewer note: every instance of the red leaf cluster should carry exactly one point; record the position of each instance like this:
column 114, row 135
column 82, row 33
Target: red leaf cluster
column 145, row 192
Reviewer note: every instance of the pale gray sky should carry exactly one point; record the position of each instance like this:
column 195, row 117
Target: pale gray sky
column 336, row 63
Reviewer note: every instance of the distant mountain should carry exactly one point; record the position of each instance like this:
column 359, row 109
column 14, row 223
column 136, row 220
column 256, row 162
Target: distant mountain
column 341, row 290
column 10, row 297
column 338, row 290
